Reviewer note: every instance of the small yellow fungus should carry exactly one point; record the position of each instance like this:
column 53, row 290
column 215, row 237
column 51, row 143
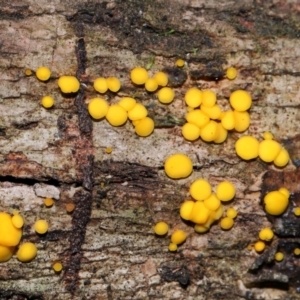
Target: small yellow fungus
column 17, row 220
column 116, row 115
column 279, row 256
column 139, row 75
column 297, row 251
column 199, row 228
column 266, row 234
column 70, row 207
column 240, row 100
column 98, row 108
column 231, row 213
column 190, row 132
column 225, row 191
column 210, row 131
column 43, row 73
column 268, row 150
column 26, row 252
column 297, row 211
column 246, row 147
column 144, row 127
column 282, row 158
column 284, row 191
column 231, row 73
column 165, row 95
column 127, row 103
column 41, row 226
column 197, row 117
column 151, row 85
column 222, row 134
column 9, row 234
column 226, row 223
column 268, row 135
column 28, row 72
column 193, row 97
column 57, row 267
column 48, row 202
column 47, row 101
column 100, row 85
column 186, row 209
column 178, row 166
column 259, row 246
column 200, row 213
column 172, row 247
column 108, row 150
column 161, row 78
column 113, row 84
column 178, row 237
column 228, row 121
column 212, row 202
column 209, row 98
column 200, row 189
column 68, row 84
column 276, row 203
column 180, row 62
column 6, row 252
column 213, row 112
column 134, row 123
column 161, row 228
column 216, row 215
column 241, row 120
column 138, row 112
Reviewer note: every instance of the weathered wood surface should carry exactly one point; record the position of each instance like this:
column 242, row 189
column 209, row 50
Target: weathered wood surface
column 107, row 245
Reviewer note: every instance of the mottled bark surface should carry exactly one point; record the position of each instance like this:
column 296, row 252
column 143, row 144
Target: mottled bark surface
column 107, row 245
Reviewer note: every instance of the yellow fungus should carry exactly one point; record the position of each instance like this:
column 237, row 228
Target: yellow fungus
column 108, row 150
column 268, row 135
column 161, row 228
column 113, row 84
column 297, row 251
column 127, row 103
column 212, row 202
column 43, row 73
column 6, row 252
column 193, row 97
column 266, row 234
column 100, row 85
column 48, row 202
column 222, row 134
column 9, row 234
column 200, row 189
column 161, row 78
column 116, row 115
column 231, row 213
column 139, row 75
column 172, row 247
column 210, row 131
column 297, row 211
column 197, row 117
column 165, row 95
column 26, row 252
column 17, row 220
column 284, row 191
column 57, row 267
column 68, row 84
column 200, row 213
column 209, row 98
column 216, row 215
column 180, row 62
column 276, row 203
column 226, row 223
column 241, row 120
column 178, row 166
column 186, row 209
column 190, row 132
column 47, row 101
column 28, row 72
column 231, row 73
column 246, row 147
column 98, row 108
column 178, row 237
column 199, row 228
column 138, row 112
column 268, row 150
column 225, row 191
column 70, row 207
column 282, row 158
column 259, row 246
column 240, row 100
column 228, row 121
column 151, row 85
column 144, row 127
column 279, row 256
column 41, row 226
column 214, row 112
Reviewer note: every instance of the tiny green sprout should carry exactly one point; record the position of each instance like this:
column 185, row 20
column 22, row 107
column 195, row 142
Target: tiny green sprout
column 195, row 50
column 169, row 32
column 150, row 64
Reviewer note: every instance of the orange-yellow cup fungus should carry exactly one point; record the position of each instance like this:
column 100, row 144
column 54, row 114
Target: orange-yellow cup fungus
column 246, row 147
column 200, row 213
column 98, row 108
column 127, row 103
column 6, row 252
column 222, row 134
column 172, row 247
column 193, row 97
column 100, row 85
column 165, row 95
column 199, row 228
column 267, row 135
column 27, row 252
column 68, row 84
column 214, row 112
column 268, row 150
column 178, row 166
column 10, row 235
column 28, row 72
column 180, row 62
column 41, row 226
column 178, row 237
column 161, row 78
column 279, row 256
column 212, row 202
column 113, row 84
column 197, row 117
column 297, row 211
column 116, row 115
column 226, row 223
column 200, row 189
column 17, row 220
column 231, row 213
column 231, row 73
column 161, row 228
column 276, row 202
column 190, row 131
column 241, row 120
column 297, row 251
column 209, row 132
column 209, row 98
column 48, row 202
column 151, row 85
column 240, row 100
column 227, row 120
column 43, row 73
column 225, row 191
column 70, row 207
column 259, row 246
column 138, row 112
column 266, row 234
column 139, row 75
column 57, row 267
column 282, row 158
column 47, row 101
column 144, row 127
column 186, row 209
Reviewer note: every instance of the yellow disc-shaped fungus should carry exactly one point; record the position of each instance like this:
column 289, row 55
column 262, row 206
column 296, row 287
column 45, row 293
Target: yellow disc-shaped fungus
column 17, row 220
column 113, row 84
column 268, row 135
column 228, row 121
column 266, row 234
column 41, row 226
column 210, row 131
column 68, row 84
column 178, row 237
column 284, row 191
column 57, row 267
column 209, row 98
column 178, row 166
column 200, row 189
column 222, row 134
column 225, row 191
column 297, row 211
column 138, row 112
column 193, row 97
column 190, row 131
column 268, row 150
column 144, row 127
column 240, row 100
column 199, row 228
column 246, row 147
column 48, row 202
column 172, row 247
column 179, row 62
column 161, row 228
column 116, row 115
column 161, row 78
column 279, row 256
column 6, row 252
column 197, row 117
column 47, row 101
column 259, row 246
column 200, row 213
column 127, row 103
column 276, row 203
column 212, row 202
column 241, row 120
column 186, row 209
column 214, row 112
column 43, row 73
column 98, row 108
column 70, row 207
column 9, row 234
column 297, row 251
column 28, row 72
column 100, row 85
column 226, row 223
column 282, row 158
column 151, row 85
column 26, row 252
column 139, row 75
column 231, row 213
column 108, row 150
column 166, row 95
column 231, row 73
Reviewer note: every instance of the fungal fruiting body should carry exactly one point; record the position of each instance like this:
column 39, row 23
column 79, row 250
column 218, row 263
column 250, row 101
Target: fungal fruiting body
column 259, row 246
column 246, row 147
column 297, row 211
column 139, row 75
column 151, row 85
column 57, row 267
column 138, row 112
column 266, row 234
column 48, row 202
column 26, row 252
column 178, row 166
column 172, row 247
column 240, row 100
column 276, row 202
column 116, row 115
column 17, row 220
column 178, row 237
column 279, row 256
column 113, row 84
column 225, row 191
column 127, row 103
column 180, row 62
column 231, row 213
column 68, row 84
column 10, row 235
column 161, row 78
column 226, row 223
column 47, row 101
column 161, row 228
column 193, row 97
column 6, row 252
column 231, row 73
column 144, row 127
column 98, row 108
column 100, row 85
column 41, row 226
column 43, row 73
column 165, row 95
column 200, row 189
